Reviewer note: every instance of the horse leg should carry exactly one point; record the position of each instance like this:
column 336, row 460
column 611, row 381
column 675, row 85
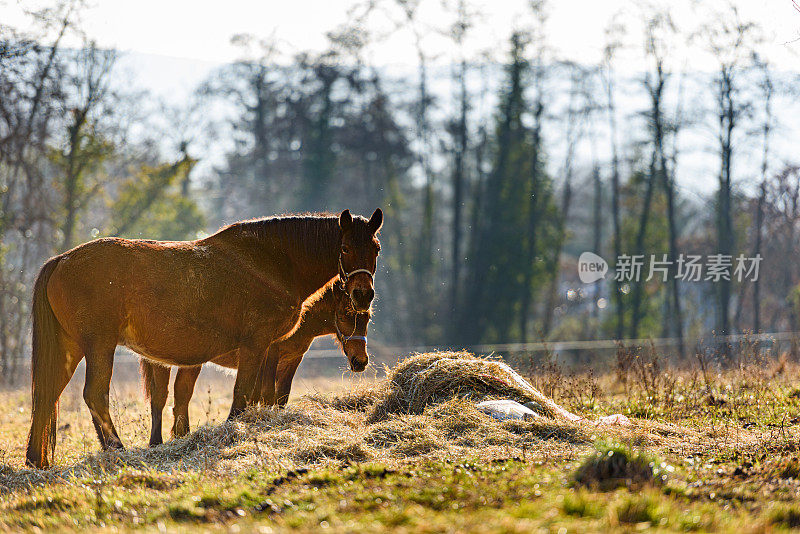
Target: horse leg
column 99, row 364
column 286, row 373
column 156, row 386
column 266, row 377
column 286, row 356
column 249, row 363
column 258, row 386
column 185, row 380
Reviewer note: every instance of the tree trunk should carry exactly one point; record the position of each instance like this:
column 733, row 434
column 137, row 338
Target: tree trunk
column 725, row 237
column 756, row 252
column 615, row 207
column 533, row 217
column 458, row 199
column 552, row 293
column 669, row 190
column 424, row 255
column 71, row 180
column 597, row 243
column 644, row 218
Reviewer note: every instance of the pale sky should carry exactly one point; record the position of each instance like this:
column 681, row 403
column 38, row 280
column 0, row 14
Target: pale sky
column 201, row 29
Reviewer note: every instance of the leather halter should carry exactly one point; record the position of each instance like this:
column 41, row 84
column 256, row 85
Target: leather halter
column 343, row 337
column 345, row 276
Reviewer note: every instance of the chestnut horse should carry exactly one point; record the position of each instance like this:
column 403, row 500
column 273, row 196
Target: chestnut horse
column 183, row 303
column 328, row 311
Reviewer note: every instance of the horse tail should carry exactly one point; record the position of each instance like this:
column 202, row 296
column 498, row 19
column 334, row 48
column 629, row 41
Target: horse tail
column 146, row 372
column 48, row 366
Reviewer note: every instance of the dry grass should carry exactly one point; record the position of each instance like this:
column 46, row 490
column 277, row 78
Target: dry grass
column 423, row 416
column 424, row 408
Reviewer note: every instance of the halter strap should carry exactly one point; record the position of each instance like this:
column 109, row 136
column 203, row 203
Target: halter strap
column 344, row 337
column 345, row 276
column 351, row 273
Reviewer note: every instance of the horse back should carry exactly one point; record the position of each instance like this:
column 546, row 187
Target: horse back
column 171, row 301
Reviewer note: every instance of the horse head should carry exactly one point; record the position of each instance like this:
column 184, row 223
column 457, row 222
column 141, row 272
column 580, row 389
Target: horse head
column 358, row 257
column 351, row 329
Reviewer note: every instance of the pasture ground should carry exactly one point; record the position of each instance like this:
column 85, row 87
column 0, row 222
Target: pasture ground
column 723, row 445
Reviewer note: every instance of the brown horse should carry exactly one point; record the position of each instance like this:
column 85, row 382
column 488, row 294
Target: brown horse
column 184, row 303
column 328, row 311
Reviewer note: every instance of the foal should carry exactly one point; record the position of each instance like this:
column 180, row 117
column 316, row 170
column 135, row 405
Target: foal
column 328, row 311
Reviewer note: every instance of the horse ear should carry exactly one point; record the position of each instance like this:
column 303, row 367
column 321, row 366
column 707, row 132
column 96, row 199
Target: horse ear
column 345, row 220
column 376, row 221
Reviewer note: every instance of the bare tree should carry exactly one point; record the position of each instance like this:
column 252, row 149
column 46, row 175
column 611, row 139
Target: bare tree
column 85, row 150
column 538, row 69
column 660, row 31
column 458, row 33
column 424, row 260
column 766, row 88
column 613, row 36
column 31, row 76
column 580, row 106
column 731, row 41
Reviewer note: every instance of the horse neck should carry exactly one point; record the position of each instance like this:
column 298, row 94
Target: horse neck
column 314, row 273
column 317, row 317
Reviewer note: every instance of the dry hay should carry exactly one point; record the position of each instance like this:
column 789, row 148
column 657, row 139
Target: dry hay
column 425, row 379
column 426, row 407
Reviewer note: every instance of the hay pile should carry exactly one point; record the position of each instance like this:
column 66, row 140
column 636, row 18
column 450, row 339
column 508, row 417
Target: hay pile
column 425, row 379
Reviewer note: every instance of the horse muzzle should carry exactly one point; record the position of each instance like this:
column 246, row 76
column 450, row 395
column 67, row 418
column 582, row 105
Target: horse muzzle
column 358, row 365
column 362, row 298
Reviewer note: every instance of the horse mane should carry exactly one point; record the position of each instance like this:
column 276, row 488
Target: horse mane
column 319, row 294
column 307, row 233
column 312, row 300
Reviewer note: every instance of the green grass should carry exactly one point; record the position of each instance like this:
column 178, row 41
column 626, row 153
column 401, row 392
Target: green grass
column 499, row 496
column 614, row 465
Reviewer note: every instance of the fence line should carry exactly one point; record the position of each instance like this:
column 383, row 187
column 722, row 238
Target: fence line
column 551, row 346
column 559, row 346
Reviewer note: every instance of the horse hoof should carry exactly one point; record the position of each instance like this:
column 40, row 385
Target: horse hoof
column 114, row 445
column 33, row 464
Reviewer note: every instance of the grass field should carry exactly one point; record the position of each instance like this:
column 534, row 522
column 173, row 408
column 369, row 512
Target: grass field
column 709, row 450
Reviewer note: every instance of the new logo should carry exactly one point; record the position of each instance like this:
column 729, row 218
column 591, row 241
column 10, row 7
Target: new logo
column 591, row 267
